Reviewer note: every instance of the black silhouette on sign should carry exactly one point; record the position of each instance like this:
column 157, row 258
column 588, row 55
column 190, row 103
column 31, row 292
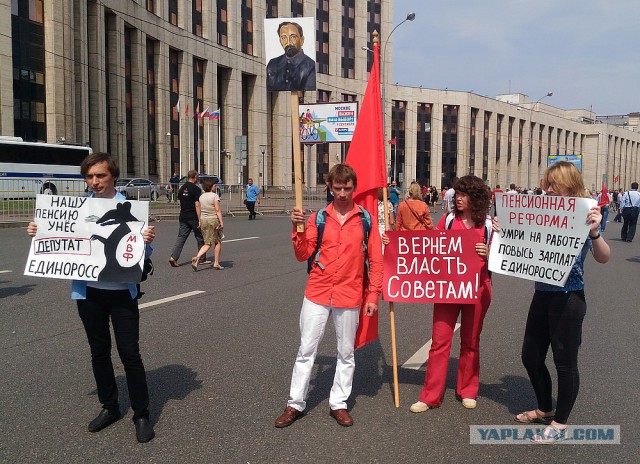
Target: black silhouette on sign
column 113, row 271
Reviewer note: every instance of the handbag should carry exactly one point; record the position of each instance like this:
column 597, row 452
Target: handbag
column 419, row 218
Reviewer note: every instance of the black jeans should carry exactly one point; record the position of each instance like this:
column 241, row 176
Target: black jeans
column 251, row 206
column 183, row 234
column 555, row 318
column 95, row 312
column 630, row 217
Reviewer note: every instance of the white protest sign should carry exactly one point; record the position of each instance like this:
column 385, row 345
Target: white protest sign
column 540, row 236
column 92, row 239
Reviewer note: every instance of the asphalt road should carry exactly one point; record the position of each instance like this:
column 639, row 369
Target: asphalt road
column 219, row 364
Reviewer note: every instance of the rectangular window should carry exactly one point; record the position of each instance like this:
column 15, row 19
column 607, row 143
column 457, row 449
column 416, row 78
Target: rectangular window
column 173, row 12
column 449, row 143
column 322, row 37
column 151, row 6
column 373, row 24
column 152, row 145
column 198, row 126
column 196, row 17
column 222, row 23
column 423, row 144
column 27, row 37
column 348, row 39
column 246, row 12
column 272, row 8
column 297, row 8
column 174, row 78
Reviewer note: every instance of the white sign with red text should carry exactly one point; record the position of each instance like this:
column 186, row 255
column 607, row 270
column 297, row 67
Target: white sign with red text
column 540, row 236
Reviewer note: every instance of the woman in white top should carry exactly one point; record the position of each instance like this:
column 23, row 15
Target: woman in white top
column 210, row 224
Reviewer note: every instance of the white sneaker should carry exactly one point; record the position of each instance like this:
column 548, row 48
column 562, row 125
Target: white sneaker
column 469, row 403
column 419, row 407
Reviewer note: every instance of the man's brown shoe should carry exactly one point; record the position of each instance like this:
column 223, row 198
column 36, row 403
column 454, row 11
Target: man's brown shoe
column 288, row 417
column 342, row 417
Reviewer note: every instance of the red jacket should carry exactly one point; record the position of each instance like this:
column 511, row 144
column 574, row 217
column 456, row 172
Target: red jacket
column 340, row 283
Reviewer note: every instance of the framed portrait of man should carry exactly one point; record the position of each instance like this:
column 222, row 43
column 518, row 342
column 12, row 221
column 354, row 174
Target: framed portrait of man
column 290, row 49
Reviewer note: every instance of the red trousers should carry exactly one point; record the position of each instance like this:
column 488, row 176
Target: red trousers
column 444, row 320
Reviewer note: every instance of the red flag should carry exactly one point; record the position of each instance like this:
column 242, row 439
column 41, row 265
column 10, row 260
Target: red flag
column 616, row 179
column 392, row 141
column 604, row 196
column 197, row 113
column 367, row 157
column 186, row 110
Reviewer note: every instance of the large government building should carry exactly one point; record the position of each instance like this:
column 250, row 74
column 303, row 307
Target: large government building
column 128, row 76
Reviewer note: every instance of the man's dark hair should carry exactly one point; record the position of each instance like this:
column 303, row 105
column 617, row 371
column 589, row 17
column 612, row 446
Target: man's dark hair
column 100, row 157
column 512, row 186
column 289, row 23
column 192, row 174
column 342, row 174
column 634, row 185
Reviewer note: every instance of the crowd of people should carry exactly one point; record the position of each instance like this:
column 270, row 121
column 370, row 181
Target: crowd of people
column 345, row 276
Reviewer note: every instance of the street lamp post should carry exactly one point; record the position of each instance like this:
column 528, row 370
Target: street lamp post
column 263, row 149
column 549, row 94
column 410, row 17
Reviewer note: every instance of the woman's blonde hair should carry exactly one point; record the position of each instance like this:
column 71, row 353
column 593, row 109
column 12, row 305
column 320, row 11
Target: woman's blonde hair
column 414, row 191
column 564, row 174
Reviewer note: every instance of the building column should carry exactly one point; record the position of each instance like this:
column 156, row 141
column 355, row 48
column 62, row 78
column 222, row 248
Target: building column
column 81, row 72
column 116, row 91
column 59, row 59
column 139, row 108
column 97, row 90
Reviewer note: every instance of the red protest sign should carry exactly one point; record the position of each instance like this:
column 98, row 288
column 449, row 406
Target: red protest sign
column 432, row 266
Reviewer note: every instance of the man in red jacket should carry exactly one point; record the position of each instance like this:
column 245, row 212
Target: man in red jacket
column 335, row 287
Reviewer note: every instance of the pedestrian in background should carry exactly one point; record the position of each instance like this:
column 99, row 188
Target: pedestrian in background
column 252, row 193
column 394, row 197
column 174, row 182
column 189, row 219
column 555, row 319
column 211, row 225
column 413, row 213
column 629, row 206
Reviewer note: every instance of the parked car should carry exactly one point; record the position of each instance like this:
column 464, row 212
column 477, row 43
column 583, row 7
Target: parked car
column 217, row 181
column 139, row 189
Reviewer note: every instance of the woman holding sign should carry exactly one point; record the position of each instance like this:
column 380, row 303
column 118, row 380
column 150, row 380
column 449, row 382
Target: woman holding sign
column 555, row 319
column 472, row 201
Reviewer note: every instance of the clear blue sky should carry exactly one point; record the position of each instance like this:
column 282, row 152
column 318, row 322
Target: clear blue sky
column 586, row 52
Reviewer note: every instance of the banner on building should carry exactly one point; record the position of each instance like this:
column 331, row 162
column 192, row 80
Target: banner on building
column 91, row 239
column 575, row 159
column 328, row 122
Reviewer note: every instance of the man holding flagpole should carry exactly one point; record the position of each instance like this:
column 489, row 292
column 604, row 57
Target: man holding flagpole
column 338, row 286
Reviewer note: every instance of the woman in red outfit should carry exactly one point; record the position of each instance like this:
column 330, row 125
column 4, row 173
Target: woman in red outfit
column 472, row 202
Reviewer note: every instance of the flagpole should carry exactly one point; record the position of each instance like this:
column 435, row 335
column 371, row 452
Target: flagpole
column 179, row 145
column 208, row 150
column 198, row 143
